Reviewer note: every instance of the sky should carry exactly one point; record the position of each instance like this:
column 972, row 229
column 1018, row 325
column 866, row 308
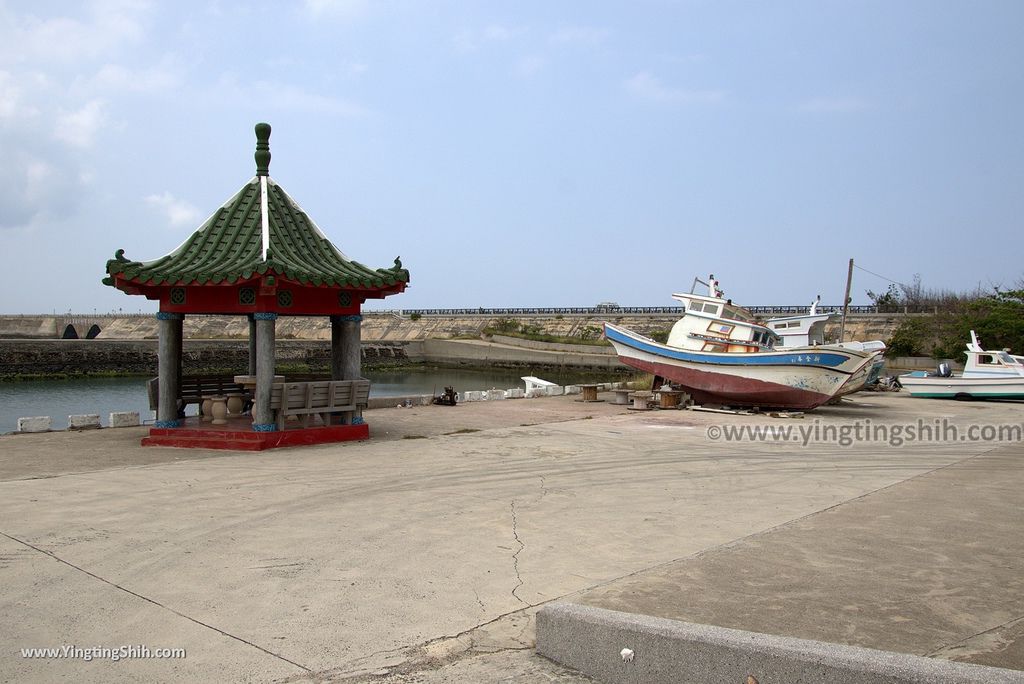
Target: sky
column 528, row 153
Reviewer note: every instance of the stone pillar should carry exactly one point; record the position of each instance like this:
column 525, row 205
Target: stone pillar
column 263, row 418
column 169, row 373
column 252, row 345
column 346, row 354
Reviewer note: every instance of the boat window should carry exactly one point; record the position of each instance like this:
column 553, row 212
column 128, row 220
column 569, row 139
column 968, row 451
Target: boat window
column 779, row 326
column 712, row 347
column 720, row 328
column 738, row 314
column 1006, row 358
column 985, row 358
column 706, row 307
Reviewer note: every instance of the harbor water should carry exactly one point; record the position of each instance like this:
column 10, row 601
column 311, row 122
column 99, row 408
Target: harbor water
column 62, row 398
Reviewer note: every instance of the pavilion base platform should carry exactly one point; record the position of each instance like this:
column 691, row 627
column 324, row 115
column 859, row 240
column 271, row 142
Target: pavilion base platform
column 237, row 435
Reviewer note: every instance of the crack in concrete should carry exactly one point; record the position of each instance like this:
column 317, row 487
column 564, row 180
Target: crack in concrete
column 515, row 556
column 415, row 664
column 543, row 488
column 954, row 649
column 156, row 603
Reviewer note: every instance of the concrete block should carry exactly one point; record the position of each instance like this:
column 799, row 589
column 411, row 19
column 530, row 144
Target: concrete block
column 495, row 394
column 35, row 424
column 473, row 395
column 515, row 393
column 573, row 389
column 611, row 646
column 535, row 392
column 87, row 421
column 125, row 419
column 556, row 391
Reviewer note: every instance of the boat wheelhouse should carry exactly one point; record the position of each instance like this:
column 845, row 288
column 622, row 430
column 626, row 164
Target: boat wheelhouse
column 801, row 330
column 716, row 325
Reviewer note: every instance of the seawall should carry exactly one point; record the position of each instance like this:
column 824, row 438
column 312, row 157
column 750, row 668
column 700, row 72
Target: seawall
column 384, row 327
column 21, row 358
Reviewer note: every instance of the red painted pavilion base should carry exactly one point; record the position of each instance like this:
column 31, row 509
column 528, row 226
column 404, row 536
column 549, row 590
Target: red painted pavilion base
column 238, row 435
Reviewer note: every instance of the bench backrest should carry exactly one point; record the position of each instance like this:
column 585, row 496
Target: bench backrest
column 193, row 388
column 325, row 394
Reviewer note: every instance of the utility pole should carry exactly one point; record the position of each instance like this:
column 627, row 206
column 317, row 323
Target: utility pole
column 846, row 303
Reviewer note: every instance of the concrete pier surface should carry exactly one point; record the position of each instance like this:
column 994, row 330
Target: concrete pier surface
column 424, row 554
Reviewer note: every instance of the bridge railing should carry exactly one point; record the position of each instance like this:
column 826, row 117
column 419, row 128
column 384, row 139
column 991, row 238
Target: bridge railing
column 778, row 310
column 775, row 310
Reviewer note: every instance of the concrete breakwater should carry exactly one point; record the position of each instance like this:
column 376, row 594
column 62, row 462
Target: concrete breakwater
column 20, row 358
column 385, row 327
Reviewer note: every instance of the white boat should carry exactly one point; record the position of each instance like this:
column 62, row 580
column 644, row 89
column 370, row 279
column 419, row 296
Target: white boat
column 533, row 382
column 808, row 329
column 986, row 375
column 720, row 354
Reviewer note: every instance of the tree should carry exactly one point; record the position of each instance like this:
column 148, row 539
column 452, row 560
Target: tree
column 997, row 318
column 889, row 301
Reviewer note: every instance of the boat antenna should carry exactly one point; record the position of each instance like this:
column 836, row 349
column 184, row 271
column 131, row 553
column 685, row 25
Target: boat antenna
column 713, row 289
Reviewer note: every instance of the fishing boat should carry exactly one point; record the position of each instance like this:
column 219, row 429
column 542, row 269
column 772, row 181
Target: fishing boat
column 808, row 329
column 986, row 375
column 720, row 354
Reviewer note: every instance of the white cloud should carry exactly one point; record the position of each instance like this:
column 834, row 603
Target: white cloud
column 494, row 32
column 649, row 87
column 36, row 182
column 356, row 68
column 338, row 9
column 579, row 35
column 108, row 26
column 179, row 212
column 529, row 65
column 833, row 105
column 282, row 97
column 471, row 40
column 119, row 78
column 10, row 96
column 78, row 128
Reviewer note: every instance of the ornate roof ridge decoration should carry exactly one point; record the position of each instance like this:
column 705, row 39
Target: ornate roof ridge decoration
column 240, row 242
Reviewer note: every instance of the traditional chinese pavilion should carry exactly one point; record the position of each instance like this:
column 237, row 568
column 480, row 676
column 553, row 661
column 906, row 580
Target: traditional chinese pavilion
column 261, row 256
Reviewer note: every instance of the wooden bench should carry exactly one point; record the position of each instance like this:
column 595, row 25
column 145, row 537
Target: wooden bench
column 317, row 398
column 194, row 388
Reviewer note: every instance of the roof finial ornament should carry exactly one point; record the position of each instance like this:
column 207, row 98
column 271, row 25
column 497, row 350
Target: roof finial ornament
column 262, row 149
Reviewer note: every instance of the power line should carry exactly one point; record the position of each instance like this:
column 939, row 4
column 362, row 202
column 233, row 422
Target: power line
column 879, row 275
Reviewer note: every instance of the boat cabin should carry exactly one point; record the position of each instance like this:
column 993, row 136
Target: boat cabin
column 983, row 363
column 711, row 323
column 804, row 330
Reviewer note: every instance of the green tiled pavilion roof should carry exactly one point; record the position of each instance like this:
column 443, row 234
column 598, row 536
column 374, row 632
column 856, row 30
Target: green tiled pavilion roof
column 229, row 247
